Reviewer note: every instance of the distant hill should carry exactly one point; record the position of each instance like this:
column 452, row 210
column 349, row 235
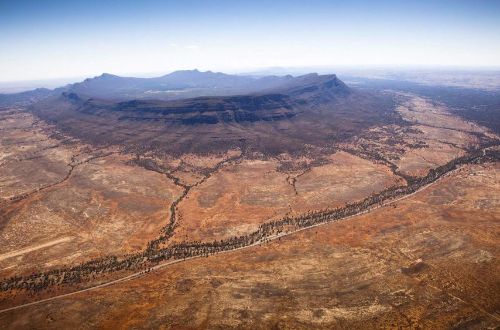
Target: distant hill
column 24, row 98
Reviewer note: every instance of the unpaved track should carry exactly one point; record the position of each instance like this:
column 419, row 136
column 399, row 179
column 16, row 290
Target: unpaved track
column 34, row 248
column 141, row 273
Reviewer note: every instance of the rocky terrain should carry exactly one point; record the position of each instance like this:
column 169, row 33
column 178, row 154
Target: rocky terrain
column 305, row 204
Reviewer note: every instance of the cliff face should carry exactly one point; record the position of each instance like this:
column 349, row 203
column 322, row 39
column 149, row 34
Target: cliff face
column 306, row 110
column 214, row 110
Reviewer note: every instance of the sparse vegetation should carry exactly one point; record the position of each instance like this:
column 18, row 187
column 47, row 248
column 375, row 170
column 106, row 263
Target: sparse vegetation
column 266, row 231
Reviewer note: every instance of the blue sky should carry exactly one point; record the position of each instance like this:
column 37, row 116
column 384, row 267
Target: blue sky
column 53, row 39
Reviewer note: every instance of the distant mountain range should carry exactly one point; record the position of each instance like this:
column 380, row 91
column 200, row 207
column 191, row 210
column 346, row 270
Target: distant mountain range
column 183, row 84
column 176, row 85
column 192, row 111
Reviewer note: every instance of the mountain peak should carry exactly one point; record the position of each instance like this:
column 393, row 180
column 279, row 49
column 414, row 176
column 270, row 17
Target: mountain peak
column 194, row 72
column 107, row 75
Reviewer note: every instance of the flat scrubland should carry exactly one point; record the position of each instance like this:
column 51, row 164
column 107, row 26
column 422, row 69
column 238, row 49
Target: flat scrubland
column 429, row 260
column 58, row 188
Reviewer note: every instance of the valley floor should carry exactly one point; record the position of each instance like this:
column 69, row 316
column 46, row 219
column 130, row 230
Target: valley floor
column 429, row 261
column 426, row 261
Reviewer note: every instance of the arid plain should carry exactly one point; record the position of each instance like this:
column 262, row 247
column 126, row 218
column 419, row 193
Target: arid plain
column 424, row 260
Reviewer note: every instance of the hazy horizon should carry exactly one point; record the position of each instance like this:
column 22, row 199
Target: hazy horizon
column 385, row 72
column 272, row 69
column 59, row 39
